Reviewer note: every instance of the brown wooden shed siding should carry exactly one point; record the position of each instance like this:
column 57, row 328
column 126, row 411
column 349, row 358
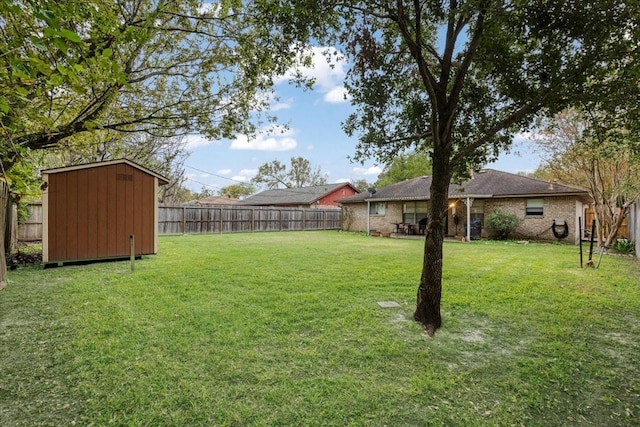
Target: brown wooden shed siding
column 93, row 211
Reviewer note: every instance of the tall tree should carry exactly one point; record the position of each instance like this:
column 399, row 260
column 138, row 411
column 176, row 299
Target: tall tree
column 458, row 78
column 362, row 185
column 160, row 67
column 580, row 148
column 405, row 166
column 300, row 174
column 204, row 193
column 237, row 191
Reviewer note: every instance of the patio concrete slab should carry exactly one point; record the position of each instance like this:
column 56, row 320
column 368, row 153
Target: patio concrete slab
column 388, row 304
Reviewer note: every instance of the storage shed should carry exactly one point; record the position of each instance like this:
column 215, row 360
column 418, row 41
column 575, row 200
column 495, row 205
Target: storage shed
column 91, row 211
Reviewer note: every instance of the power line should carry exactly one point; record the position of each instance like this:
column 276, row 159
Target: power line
column 216, row 175
column 203, row 184
column 281, row 192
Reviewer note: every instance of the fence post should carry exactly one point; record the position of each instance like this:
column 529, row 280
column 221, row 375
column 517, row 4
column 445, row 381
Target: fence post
column 184, row 220
column 4, row 204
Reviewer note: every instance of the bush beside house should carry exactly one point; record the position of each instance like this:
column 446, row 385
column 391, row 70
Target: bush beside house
column 501, row 224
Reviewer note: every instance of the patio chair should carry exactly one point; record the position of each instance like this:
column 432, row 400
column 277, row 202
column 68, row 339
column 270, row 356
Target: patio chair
column 422, row 226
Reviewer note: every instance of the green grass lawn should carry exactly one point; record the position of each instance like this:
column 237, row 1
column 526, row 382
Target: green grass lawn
column 284, row 329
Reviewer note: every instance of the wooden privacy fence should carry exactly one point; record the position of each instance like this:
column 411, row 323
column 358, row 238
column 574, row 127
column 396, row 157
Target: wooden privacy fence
column 217, row 219
column 248, row 219
column 31, row 229
column 589, row 216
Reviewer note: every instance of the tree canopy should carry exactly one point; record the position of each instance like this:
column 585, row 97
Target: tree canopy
column 164, row 155
column 299, row 174
column 164, row 68
column 238, row 190
column 457, row 79
column 580, row 149
column 362, row 185
column 405, row 166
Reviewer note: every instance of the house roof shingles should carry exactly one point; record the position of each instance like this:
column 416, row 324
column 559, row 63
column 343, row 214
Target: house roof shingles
column 488, row 183
column 292, row 196
column 217, row 200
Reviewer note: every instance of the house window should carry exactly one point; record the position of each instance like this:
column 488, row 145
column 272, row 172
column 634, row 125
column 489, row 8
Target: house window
column 413, row 212
column 377, row 208
column 534, row 207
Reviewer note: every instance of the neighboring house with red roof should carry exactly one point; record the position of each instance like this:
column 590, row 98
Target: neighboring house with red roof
column 540, row 206
column 319, row 196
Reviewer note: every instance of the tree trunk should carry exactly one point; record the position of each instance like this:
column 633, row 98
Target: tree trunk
column 430, row 289
column 5, row 201
column 618, row 218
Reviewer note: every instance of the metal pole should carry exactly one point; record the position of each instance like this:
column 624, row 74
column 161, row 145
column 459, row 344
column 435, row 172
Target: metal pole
column 600, row 258
column 469, row 202
column 580, row 238
column 132, row 247
column 368, row 217
column 593, row 235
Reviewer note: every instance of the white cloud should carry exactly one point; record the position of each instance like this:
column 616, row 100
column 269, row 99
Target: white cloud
column 224, row 172
column 196, row 141
column 271, row 138
column 337, row 95
column 525, row 137
column 310, row 147
column 245, row 175
column 272, row 102
column 328, row 75
column 342, row 180
column 373, row 170
column 283, row 105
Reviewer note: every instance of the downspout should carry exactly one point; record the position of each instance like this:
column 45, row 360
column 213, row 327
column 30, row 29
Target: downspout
column 469, row 201
column 368, row 216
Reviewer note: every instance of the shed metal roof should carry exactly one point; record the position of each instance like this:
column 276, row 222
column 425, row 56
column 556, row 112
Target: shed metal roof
column 161, row 178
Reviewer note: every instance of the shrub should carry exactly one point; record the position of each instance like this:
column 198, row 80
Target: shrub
column 624, row 246
column 501, row 223
column 348, row 215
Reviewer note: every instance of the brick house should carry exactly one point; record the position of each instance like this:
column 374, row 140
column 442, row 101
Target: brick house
column 318, row 196
column 541, row 207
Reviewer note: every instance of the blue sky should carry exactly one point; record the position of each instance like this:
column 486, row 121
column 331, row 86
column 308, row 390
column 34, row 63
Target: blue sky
column 314, row 132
